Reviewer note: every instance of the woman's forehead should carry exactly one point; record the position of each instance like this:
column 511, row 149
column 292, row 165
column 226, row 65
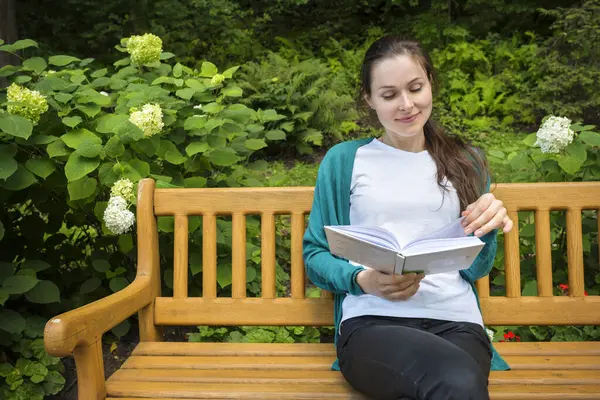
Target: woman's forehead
column 396, row 71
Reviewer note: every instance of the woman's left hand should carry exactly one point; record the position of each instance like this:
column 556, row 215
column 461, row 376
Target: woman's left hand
column 485, row 215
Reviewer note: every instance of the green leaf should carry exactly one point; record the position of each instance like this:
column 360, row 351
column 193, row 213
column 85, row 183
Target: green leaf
column 91, row 110
column 90, row 285
column 35, row 265
column 118, row 283
column 12, row 321
column 57, row 149
column 61, row 61
column 36, row 370
column 78, row 166
column 233, row 91
column 101, row 265
column 212, row 108
column 89, row 149
column 195, row 84
column 269, row 115
column 109, row 123
column 223, row 157
column 35, row 64
column 275, row 134
column 195, row 182
column 75, row 138
column 44, row 292
column 54, row 382
column 530, row 288
column 21, row 179
column 8, row 70
column 196, row 147
column 165, row 55
column 224, row 275
column 8, row 165
column 63, row 97
column 100, row 73
column 34, row 326
column 142, row 167
column 229, row 72
column 194, row 123
column 208, row 70
column 530, row 139
column 81, row 188
column 122, row 329
column 574, row 157
column 186, row 93
column 15, row 125
column 255, row 144
column 591, row 138
column 175, row 157
column 42, row 167
column 125, row 243
column 114, row 147
column 22, row 44
column 177, row 70
column 22, row 79
column 72, row 122
column 19, row 284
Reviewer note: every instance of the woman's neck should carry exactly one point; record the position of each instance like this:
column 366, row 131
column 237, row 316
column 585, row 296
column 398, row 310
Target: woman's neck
column 413, row 144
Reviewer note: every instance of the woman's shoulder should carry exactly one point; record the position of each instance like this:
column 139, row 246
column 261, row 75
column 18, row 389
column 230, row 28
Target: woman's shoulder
column 346, row 148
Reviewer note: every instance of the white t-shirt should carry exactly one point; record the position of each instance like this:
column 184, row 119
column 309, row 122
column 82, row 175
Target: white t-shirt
column 398, row 190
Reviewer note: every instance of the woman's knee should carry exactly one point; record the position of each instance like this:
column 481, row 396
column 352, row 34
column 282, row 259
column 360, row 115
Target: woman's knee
column 458, row 383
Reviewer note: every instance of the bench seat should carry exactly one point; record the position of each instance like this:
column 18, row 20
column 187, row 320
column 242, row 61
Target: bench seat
column 302, row 371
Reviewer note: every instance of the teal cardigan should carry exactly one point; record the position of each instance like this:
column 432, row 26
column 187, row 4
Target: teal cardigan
column 331, row 206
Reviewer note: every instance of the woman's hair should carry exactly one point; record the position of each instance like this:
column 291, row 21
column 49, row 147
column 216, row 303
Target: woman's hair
column 456, row 161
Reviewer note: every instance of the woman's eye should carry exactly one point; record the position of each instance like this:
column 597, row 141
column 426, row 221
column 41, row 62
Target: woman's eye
column 388, row 96
column 416, row 89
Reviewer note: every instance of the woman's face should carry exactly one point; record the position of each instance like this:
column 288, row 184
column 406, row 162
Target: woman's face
column 401, row 96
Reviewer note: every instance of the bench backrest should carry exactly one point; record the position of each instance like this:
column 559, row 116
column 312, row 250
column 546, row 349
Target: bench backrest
column 512, row 309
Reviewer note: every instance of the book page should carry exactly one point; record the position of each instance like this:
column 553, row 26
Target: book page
column 371, row 234
column 437, row 245
column 452, row 230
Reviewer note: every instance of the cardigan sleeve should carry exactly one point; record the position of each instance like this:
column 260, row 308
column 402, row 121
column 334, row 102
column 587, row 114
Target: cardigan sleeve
column 484, row 262
column 324, row 269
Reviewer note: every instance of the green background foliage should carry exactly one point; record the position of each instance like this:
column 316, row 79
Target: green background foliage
column 291, row 78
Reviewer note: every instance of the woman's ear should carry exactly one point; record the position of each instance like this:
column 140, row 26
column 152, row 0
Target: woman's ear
column 368, row 101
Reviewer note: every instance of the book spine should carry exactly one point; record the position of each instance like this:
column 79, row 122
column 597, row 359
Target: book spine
column 399, row 265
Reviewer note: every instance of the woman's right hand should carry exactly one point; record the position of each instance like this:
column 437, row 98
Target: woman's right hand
column 391, row 287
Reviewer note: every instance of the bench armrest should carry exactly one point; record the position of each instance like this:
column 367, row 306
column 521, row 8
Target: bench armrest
column 85, row 325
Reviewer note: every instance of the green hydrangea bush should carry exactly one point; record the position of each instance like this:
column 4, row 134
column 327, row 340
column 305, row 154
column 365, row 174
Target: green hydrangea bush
column 75, row 139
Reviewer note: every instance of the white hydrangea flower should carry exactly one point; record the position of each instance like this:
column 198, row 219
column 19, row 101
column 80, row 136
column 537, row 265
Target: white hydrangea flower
column 144, row 49
column 117, row 217
column 123, row 188
column 217, row 80
column 555, row 134
column 30, row 103
column 198, row 107
column 148, row 119
column 490, row 334
column 104, row 93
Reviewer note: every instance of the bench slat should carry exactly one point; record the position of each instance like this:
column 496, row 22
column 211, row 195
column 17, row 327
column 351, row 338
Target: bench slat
column 320, row 391
column 327, row 349
column 522, row 377
column 324, row 362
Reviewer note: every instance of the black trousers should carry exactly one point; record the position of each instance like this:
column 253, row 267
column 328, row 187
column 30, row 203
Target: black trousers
column 414, row 358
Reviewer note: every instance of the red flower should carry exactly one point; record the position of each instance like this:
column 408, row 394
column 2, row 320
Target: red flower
column 518, row 338
column 563, row 286
column 585, row 293
column 509, row 335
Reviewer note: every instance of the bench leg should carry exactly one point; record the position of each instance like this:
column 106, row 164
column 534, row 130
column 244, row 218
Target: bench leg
column 149, row 332
column 90, row 372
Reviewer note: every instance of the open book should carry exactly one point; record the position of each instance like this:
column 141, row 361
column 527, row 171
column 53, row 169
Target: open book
column 445, row 250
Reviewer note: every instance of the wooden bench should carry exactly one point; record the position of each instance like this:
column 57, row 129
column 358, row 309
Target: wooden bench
column 158, row 369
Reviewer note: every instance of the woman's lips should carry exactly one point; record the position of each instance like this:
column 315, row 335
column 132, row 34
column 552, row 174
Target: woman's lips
column 408, row 119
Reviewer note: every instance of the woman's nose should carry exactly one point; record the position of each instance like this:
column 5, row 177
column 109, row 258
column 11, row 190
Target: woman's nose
column 406, row 102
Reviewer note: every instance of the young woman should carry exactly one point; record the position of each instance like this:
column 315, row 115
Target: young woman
column 406, row 336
